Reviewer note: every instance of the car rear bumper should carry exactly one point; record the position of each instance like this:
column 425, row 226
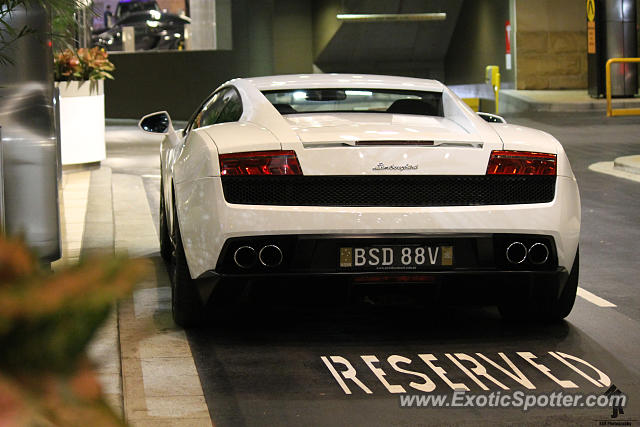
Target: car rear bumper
column 479, row 279
column 208, row 222
column 325, row 254
column 475, row 287
column 479, row 260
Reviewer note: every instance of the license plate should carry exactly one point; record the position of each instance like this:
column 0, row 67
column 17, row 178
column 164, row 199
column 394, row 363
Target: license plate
column 410, row 257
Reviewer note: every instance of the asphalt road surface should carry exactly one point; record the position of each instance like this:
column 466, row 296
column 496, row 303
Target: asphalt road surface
column 307, row 353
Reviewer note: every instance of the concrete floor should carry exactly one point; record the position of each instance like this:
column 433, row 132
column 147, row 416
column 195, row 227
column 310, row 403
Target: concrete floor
column 269, row 363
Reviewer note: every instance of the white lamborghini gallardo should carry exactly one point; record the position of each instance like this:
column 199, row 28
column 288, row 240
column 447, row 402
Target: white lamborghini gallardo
column 373, row 178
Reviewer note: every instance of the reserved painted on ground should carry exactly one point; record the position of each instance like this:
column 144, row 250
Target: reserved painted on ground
column 469, row 371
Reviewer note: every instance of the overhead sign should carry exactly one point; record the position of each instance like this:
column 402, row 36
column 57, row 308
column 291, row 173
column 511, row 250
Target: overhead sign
column 591, row 26
column 591, row 10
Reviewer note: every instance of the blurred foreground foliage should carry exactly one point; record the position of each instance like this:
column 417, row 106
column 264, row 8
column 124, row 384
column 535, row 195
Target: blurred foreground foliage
column 46, row 322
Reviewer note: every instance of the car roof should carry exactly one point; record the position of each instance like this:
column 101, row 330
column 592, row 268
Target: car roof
column 137, row 2
column 334, row 80
column 144, row 14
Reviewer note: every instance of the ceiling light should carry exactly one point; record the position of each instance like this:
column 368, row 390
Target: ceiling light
column 386, row 17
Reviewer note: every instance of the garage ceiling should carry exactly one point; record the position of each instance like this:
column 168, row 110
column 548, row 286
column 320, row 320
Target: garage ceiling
column 413, row 48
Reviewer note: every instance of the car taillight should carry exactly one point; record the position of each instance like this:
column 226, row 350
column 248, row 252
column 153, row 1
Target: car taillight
column 521, row 163
column 260, row 163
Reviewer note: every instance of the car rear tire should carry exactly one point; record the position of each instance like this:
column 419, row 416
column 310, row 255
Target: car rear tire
column 564, row 304
column 166, row 248
column 545, row 302
column 186, row 305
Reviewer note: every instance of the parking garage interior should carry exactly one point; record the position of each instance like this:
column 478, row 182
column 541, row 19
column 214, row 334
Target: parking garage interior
column 314, row 351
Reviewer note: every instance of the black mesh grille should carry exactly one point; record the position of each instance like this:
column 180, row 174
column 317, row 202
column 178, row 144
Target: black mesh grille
column 410, row 190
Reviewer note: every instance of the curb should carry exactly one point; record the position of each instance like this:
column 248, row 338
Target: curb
column 95, row 237
column 630, row 164
column 514, row 101
column 160, row 382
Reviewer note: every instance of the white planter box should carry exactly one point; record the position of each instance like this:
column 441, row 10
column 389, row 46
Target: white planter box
column 82, row 126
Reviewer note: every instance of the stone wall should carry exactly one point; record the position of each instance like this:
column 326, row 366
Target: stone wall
column 551, row 44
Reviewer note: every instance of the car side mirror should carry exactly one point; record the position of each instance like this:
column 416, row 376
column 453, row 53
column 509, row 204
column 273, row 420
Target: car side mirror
column 491, row 118
column 159, row 122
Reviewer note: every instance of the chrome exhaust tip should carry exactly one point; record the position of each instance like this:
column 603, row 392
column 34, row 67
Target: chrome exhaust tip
column 245, row 257
column 538, row 253
column 270, row 256
column 516, row 253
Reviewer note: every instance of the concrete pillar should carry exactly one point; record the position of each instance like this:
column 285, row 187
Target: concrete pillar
column 29, row 150
column 210, row 24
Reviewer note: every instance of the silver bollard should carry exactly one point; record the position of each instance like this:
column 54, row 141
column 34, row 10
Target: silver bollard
column 128, row 39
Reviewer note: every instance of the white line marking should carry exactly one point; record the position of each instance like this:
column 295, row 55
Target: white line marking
column 594, row 299
column 151, row 176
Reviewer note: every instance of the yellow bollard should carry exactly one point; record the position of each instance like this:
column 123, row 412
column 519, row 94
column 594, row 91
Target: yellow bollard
column 618, row 111
column 492, row 77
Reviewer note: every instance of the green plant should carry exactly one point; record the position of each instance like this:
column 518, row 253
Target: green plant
column 46, row 322
column 85, row 64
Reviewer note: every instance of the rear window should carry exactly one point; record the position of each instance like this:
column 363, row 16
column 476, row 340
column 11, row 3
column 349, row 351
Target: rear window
column 296, row 101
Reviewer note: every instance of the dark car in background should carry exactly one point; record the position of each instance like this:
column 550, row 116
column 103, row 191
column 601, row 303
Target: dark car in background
column 127, row 7
column 153, row 30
